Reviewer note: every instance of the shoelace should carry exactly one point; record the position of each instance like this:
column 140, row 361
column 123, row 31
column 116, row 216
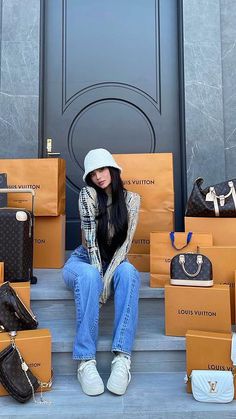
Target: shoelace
column 122, row 366
column 90, row 366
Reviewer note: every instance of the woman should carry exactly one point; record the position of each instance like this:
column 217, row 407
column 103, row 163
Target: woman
column 99, row 268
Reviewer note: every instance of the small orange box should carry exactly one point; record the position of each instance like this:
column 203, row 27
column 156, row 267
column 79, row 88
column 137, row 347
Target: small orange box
column 49, row 242
column 223, row 259
column 35, row 348
column 23, row 291
column 140, row 261
column 223, row 229
column 1, row 272
column 208, row 351
column 200, row 308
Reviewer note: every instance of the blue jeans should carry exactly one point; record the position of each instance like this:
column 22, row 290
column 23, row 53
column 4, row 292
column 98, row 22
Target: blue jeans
column 85, row 281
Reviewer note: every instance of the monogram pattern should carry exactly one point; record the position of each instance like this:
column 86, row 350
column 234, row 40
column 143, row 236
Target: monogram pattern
column 13, row 314
column 12, row 376
column 197, row 206
column 16, row 247
column 191, row 266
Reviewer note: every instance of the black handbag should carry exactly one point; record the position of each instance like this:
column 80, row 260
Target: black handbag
column 193, row 269
column 16, row 377
column 14, row 315
column 214, row 201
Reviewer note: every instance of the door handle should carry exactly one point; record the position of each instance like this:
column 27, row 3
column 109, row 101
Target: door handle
column 50, row 153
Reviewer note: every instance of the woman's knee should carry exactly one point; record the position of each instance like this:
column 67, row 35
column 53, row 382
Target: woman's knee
column 80, row 273
column 127, row 270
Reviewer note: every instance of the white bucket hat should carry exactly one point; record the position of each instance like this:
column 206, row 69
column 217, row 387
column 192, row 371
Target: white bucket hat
column 98, row 158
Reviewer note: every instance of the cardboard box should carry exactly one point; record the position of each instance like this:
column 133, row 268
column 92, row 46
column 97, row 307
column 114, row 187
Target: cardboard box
column 35, row 348
column 23, row 291
column 49, row 242
column 200, row 308
column 46, row 176
column 1, row 272
column 223, row 259
column 208, row 351
column 222, row 229
column 140, row 262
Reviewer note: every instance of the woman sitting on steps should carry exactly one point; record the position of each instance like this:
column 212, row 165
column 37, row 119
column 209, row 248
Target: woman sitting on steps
column 99, row 268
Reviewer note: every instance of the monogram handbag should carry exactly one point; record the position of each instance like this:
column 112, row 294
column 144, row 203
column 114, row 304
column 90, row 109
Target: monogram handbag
column 16, row 377
column 14, row 315
column 193, row 269
column 214, row 386
column 214, row 201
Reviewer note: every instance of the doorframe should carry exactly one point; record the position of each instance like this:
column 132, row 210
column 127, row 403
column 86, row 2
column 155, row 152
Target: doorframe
column 182, row 133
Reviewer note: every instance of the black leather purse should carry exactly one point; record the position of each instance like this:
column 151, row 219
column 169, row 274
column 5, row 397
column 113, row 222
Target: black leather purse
column 191, row 269
column 16, row 377
column 214, row 201
column 14, row 315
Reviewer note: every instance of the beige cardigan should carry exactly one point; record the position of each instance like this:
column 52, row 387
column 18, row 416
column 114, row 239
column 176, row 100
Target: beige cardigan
column 88, row 208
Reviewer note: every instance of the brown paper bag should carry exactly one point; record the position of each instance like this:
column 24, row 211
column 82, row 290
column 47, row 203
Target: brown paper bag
column 151, row 176
column 47, row 178
column 162, row 251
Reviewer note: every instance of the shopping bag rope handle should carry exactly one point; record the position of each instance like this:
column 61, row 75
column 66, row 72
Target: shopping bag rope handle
column 172, row 238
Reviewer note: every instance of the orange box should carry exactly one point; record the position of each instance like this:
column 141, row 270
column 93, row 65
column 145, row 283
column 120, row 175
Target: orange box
column 140, row 261
column 23, row 291
column 1, row 272
column 35, row 348
column 208, row 351
column 222, row 229
column 49, row 242
column 223, row 260
column 200, row 308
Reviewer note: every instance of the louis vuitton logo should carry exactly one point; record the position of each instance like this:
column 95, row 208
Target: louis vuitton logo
column 212, row 385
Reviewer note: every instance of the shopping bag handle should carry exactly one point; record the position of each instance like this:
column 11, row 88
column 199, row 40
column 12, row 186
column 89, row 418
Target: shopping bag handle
column 172, row 238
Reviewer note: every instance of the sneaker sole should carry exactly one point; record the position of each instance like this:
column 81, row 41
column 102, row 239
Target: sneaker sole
column 115, row 390
column 94, row 392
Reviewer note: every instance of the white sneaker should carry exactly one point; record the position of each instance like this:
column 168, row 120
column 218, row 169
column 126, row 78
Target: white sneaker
column 90, row 380
column 120, row 375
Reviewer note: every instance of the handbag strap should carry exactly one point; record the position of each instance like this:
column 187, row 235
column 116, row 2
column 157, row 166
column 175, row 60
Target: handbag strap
column 172, row 238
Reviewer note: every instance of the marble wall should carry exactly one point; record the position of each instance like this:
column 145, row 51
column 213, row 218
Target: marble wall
column 228, row 48
column 203, row 91
column 19, row 78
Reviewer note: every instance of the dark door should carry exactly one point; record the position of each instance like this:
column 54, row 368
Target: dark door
column 110, row 80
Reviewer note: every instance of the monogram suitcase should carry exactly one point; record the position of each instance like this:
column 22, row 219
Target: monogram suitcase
column 16, row 241
column 3, row 184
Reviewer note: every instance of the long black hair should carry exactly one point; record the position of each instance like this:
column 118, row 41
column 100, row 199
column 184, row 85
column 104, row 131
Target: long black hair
column 118, row 219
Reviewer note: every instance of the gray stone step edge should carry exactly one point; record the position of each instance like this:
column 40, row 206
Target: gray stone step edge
column 149, row 396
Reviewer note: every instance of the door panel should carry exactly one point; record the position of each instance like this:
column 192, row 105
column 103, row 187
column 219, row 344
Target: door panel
column 110, row 80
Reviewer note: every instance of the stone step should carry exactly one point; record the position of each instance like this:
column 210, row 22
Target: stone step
column 149, row 396
column 51, row 286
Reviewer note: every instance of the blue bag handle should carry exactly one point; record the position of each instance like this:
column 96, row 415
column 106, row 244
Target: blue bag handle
column 172, row 238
